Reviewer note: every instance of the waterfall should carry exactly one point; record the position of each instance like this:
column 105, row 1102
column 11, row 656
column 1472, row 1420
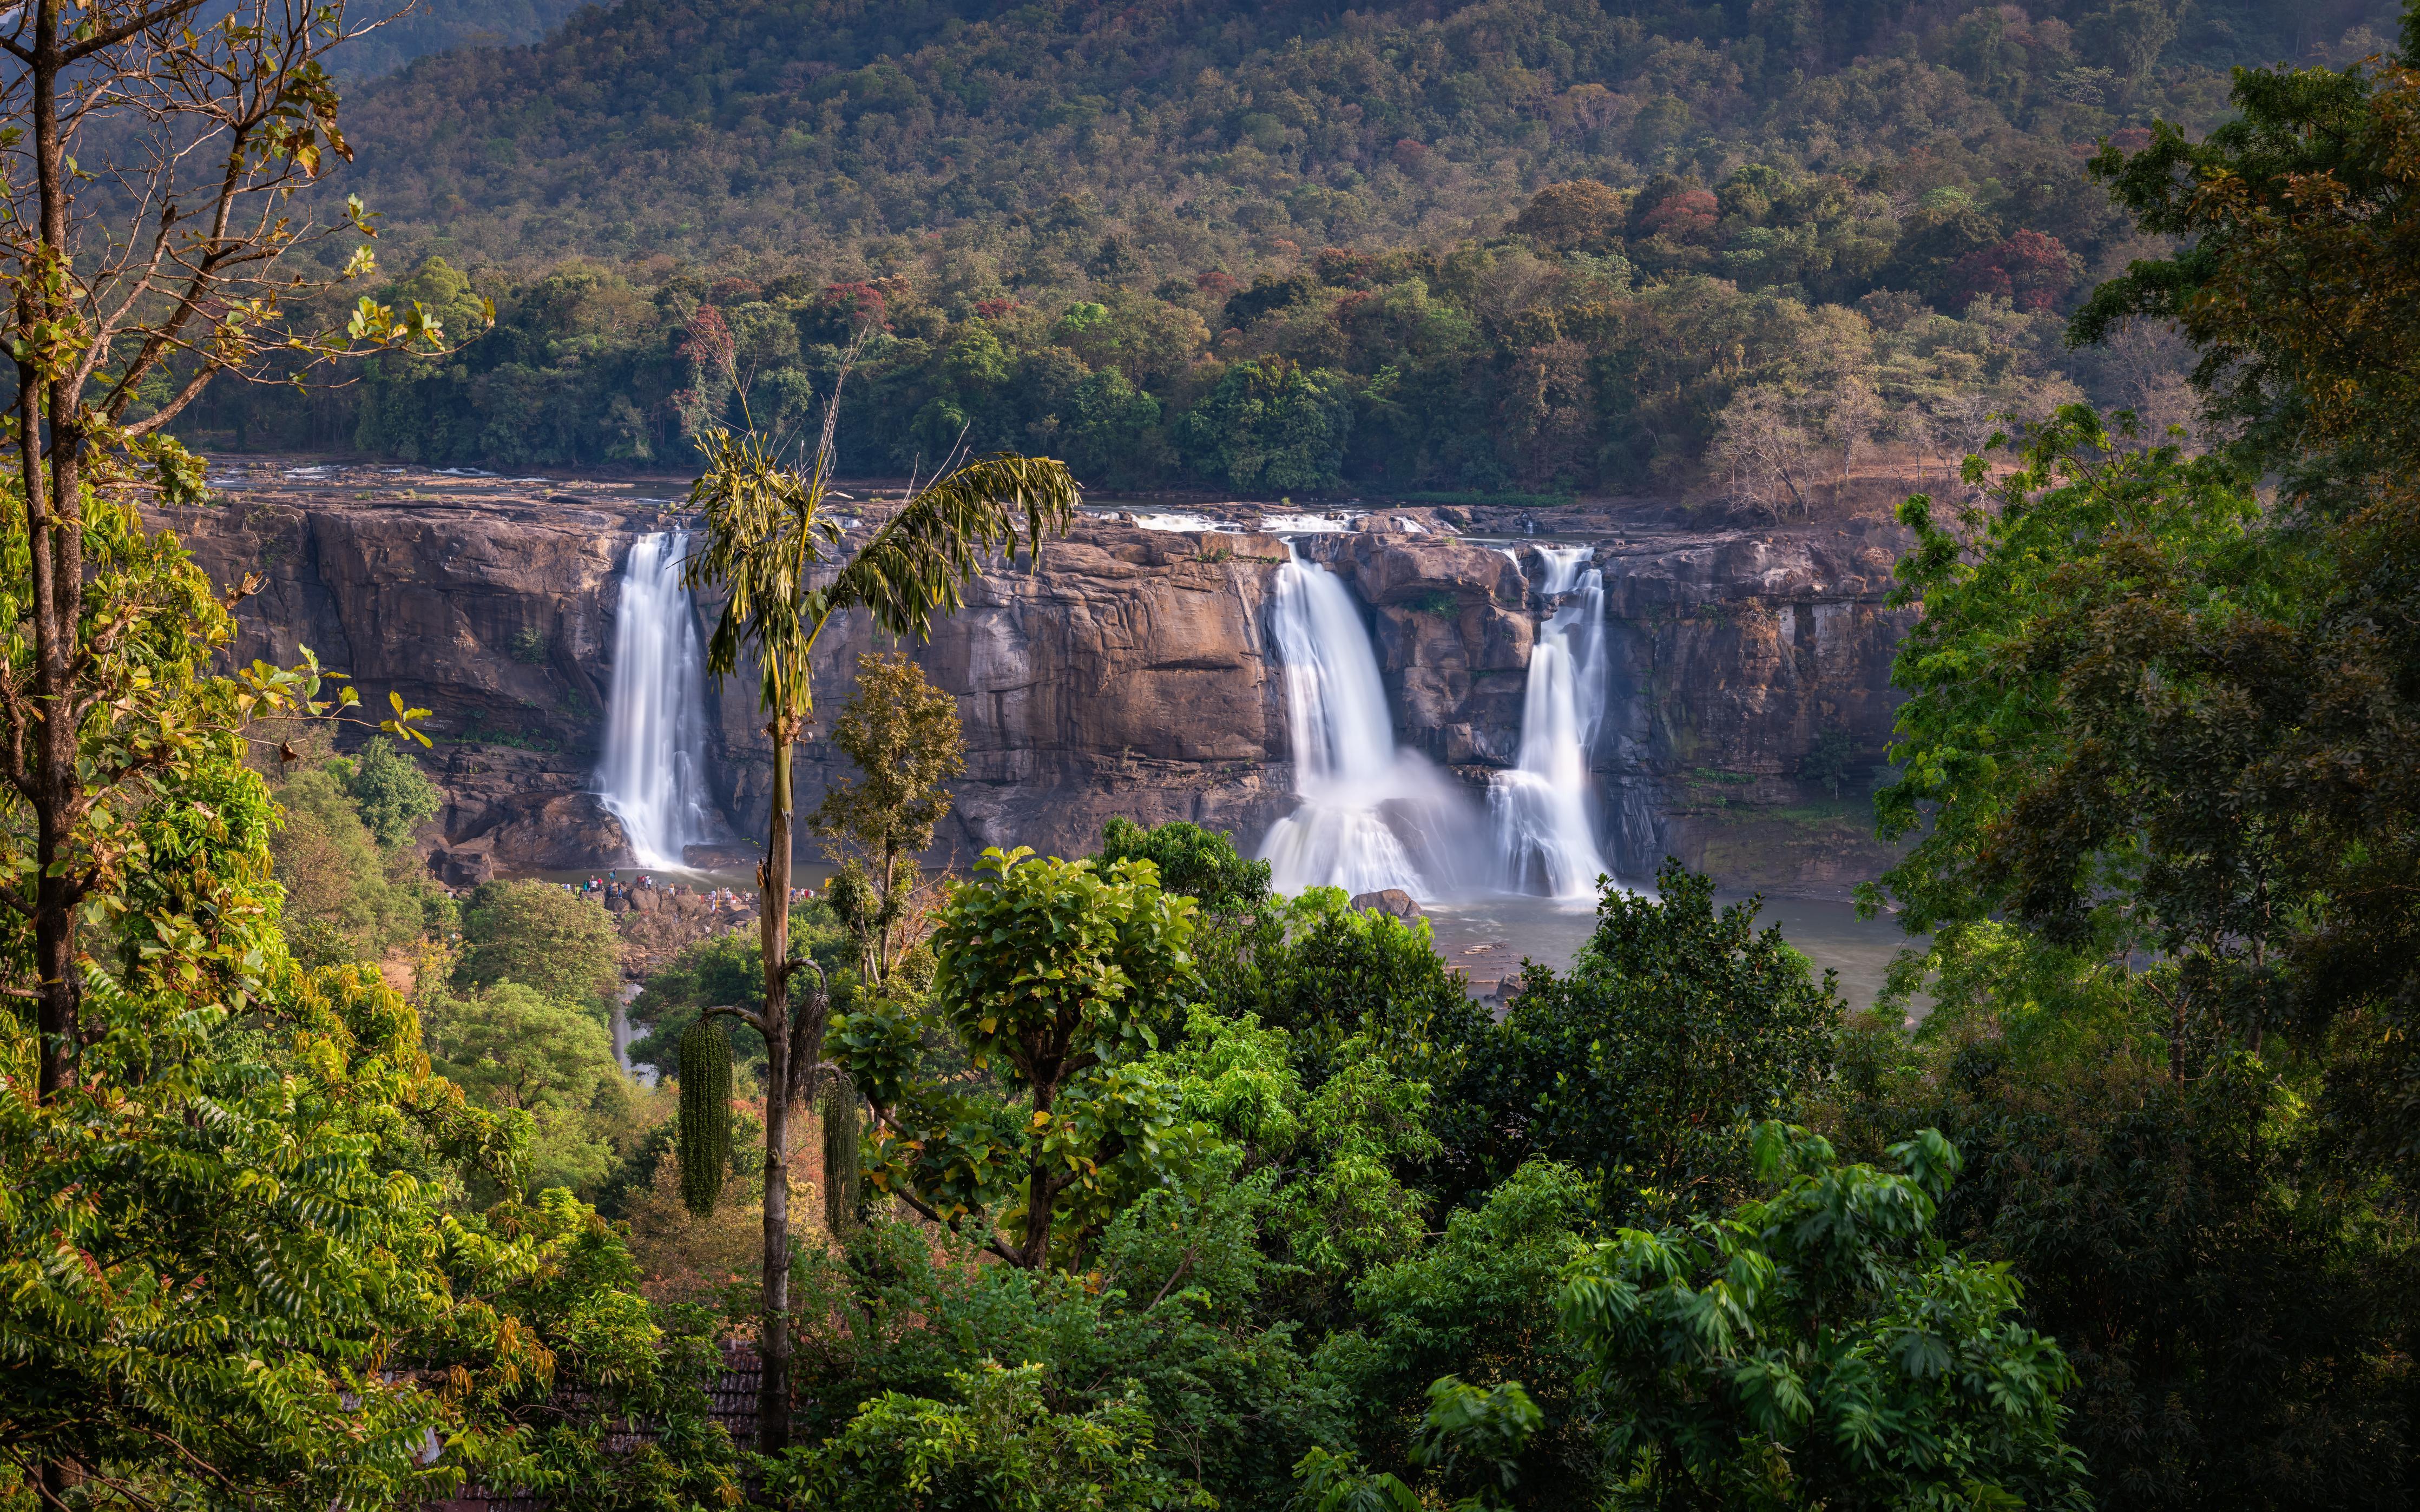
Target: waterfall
column 1546, row 823
column 1372, row 816
column 653, row 778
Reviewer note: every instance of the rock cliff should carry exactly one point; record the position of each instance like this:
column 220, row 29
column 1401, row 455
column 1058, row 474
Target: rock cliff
column 1130, row 675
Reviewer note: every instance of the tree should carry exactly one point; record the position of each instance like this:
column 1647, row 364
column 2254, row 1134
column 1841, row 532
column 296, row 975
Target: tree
column 1675, row 1025
column 233, row 1254
column 511, row 1047
column 122, row 320
column 1201, row 864
column 2300, row 280
column 1761, row 450
column 340, row 904
column 1579, row 216
column 903, row 734
column 1271, row 426
column 1820, row 1345
column 1479, row 1304
column 1239, row 918
column 1060, row 978
column 518, row 1048
column 391, row 791
column 1001, row 1438
column 551, row 940
column 2029, row 270
column 768, row 538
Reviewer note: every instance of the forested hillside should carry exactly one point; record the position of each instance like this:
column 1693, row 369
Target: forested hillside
column 1194, row 134
column 1525, row 245
column 437, row 25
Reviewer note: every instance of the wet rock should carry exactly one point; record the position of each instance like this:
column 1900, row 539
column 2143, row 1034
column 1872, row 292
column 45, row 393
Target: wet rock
column 1394, row 901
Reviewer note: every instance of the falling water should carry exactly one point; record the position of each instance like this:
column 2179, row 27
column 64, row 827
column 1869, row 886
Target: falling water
column 1372, row 816
column 1546, row 821
column 653, row 775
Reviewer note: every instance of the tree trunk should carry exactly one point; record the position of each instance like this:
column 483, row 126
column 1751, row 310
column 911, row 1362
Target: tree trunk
column 1041, row 1193
column 54, row 545
column 773, row 930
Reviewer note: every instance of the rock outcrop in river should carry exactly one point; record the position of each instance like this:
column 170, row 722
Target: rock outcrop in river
column 1130, row 675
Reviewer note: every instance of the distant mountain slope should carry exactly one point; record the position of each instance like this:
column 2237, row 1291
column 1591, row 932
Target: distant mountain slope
column 1169, row 131
column 441, row 26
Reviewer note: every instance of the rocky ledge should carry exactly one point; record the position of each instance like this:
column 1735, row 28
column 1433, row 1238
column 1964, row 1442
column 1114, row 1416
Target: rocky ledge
column 1130, row 675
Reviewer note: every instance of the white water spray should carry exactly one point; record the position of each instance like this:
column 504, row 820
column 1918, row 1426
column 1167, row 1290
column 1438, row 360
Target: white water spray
column 1546, row 823
column 1372, row 816
column 653, row 778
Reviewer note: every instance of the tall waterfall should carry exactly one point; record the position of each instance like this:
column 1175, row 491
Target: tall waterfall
column 1546, row 820
column 1372, row 816
column 653, row 778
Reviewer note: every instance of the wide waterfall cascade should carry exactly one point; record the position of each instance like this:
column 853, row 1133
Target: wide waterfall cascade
column 1371, row 815
column 1543, row 809
column 653, row 778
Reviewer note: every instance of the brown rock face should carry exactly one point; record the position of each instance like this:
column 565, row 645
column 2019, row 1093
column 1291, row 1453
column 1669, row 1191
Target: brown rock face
column 1730, row 655
column 1128, row 677
column 1394, row 901
column 1131, row 674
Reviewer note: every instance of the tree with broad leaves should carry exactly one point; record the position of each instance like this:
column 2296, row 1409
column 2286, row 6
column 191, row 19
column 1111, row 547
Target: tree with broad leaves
column 1059, row 976
column 773, row 548
column 1819, row 1346
column 204, row 127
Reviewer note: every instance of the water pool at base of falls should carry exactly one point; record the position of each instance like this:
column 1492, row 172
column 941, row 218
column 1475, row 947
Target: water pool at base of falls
column 1827, row 931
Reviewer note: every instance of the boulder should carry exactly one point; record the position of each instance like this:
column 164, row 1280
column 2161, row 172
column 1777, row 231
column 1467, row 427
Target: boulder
column 465, row 867
column 1394, row 901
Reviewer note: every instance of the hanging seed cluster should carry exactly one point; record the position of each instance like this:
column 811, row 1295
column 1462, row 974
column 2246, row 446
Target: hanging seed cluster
column 705, row 1114
column 843, row 1181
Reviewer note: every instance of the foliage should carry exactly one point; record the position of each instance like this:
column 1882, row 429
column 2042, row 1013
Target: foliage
column 345, row 900
column 2156, row 733
column 233, row 1245
column 1055, row 979
column 2225, row 1290
column 903, row 735
column 706, row 1114
column 555, row 941
column 1169, row 1318
column 1477, row 1302
column 999, row 1445
column 1675, row 1026
column 1831, row 761
column 1201, row 864
column 1332, row 1158
column 2295, row 282
column 1239, row 918
column 1331, row 976
column 1531, row 240
column 509, row 1047
column 1465, row 1428
column 1043, row 141
column 1270, row 426
column 1820, row 1344
column 393, row 793
column 728, row 969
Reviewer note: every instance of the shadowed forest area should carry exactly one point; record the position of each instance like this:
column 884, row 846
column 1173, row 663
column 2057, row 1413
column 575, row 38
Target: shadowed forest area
column 1516, row 248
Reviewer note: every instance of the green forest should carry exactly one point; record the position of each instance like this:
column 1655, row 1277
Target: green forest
column 1522, row 247
column 1118, row 1181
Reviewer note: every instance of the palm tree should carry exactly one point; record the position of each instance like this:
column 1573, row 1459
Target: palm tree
column 771, row 545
